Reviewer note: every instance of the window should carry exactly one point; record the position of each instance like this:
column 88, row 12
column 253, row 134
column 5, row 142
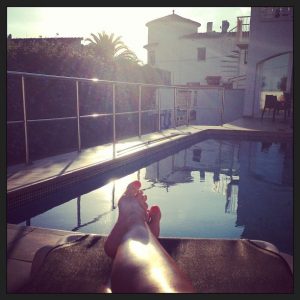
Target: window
column 201, row 53
column 274, row 76
column 151, row 57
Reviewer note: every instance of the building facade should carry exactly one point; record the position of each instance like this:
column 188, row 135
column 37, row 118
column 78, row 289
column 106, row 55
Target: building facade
column 210, row 57
column 270, row 56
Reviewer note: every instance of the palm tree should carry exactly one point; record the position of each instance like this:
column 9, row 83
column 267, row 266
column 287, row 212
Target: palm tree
column 109, row 48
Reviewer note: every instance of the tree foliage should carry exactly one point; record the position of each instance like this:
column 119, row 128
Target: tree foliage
column 110, row 48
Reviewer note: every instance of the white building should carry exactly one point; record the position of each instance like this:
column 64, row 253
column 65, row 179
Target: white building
column 256, row 55
column 174, row 44
column 270, row 56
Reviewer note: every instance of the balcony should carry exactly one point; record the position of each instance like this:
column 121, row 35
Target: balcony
column 242, row 32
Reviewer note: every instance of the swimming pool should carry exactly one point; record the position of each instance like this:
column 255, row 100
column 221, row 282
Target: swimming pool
column 217, row 188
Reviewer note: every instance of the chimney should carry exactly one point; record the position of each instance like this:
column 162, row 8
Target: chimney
column 209, row 26
column 225, row 26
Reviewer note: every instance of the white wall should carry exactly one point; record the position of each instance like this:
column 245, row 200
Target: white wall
column 233, row 104
column 179, row 55
column 208, row 105
column 180, row 58
column 168, row 51
column 267, row 39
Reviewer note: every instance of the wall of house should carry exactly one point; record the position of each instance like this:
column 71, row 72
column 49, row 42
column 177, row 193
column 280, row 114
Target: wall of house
column 179, row 55
column 267, row 38
column 181, row 58
column 168, row 31
column 168, row 51
column 233, row 104
column 207, row 103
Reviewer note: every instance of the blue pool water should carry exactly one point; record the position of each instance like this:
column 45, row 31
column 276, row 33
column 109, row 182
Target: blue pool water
column 213, row 189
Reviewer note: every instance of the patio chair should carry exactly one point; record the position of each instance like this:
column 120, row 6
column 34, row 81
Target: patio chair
column 270, row 103
column 284, row 105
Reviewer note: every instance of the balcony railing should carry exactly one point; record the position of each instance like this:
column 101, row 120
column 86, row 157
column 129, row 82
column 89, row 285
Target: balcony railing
column 243, row 30
column 178, row 106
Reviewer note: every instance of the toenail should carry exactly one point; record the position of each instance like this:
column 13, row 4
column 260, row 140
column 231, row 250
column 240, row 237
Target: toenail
column 136, row 184
column 155, row 208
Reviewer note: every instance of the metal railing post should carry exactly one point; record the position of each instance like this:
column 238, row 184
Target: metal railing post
column 114, row 119
column 140, row 110
column 78, row 116
column 187, row 110
column 78, row 212
column 158, row 98
column 175, row 96
column 25, row 121
column 222, row 106
column 113, row 192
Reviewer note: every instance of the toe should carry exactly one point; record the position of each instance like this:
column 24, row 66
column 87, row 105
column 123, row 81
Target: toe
column 155, row 213
column 133, row 188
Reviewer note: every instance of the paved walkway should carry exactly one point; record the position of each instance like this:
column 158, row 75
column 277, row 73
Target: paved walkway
column 23, row 175
column 22, row 244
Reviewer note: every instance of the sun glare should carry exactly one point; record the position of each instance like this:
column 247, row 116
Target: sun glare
column 121, row 184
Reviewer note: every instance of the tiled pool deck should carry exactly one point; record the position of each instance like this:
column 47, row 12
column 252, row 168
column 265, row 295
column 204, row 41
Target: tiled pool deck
column 23, row 242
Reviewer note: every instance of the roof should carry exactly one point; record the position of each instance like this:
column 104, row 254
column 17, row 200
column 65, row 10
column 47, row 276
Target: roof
column 199, row 35
column 173, row 18
column 150, row 45
column 212, row 34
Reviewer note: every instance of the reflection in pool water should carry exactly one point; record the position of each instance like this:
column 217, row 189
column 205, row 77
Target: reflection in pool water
column 213, row 189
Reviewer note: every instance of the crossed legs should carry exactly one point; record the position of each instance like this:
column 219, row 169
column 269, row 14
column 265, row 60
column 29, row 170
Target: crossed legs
column 140, row 263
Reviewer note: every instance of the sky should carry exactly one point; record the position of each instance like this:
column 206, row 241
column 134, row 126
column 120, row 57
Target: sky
column 127, row 22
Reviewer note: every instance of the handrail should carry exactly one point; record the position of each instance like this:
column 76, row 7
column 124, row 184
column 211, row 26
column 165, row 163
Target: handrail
column 177, row 88
column 234, row 29
column 96, row 80
column 240, row 77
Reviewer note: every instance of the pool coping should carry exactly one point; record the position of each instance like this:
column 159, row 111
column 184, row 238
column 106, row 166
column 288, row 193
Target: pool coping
column 25, row 194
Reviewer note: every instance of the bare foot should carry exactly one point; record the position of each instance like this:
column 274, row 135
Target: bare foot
column 132, row 211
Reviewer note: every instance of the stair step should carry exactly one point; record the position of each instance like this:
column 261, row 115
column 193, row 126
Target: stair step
column 229, row 61
column 233, row 56
column 232, row 67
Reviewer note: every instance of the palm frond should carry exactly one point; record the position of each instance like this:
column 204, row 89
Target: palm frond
column 97, row 41
column 109, row 47
column 89, row 40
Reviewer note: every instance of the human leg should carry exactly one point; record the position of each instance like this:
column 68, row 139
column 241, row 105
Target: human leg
column 141, row 264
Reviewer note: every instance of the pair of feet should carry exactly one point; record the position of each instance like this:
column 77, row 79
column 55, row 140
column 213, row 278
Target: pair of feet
column 133, row 211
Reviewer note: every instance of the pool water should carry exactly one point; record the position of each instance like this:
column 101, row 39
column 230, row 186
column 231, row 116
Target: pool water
column 213, row 189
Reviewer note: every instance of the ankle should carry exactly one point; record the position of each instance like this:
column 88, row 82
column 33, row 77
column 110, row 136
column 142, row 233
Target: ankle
column 138, row 232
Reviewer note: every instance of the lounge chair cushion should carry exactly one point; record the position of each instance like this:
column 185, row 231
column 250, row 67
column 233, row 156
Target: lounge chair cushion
column 213, row 265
